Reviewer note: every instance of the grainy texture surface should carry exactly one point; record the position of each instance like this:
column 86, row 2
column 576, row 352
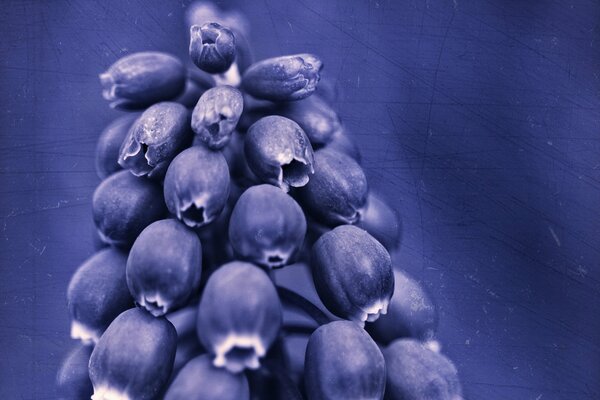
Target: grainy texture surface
column 479, row 120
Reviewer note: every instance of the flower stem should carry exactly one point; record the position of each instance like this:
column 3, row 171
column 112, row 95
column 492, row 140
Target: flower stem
column 299, row 302
column 298, row 329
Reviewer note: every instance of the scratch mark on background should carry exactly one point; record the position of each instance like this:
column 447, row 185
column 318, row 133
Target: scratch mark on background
column 555, row 236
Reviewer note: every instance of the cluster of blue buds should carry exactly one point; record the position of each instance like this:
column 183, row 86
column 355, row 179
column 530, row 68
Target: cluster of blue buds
column 225, row 175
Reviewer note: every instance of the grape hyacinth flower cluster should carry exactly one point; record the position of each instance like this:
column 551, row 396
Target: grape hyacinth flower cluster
column 222, row 174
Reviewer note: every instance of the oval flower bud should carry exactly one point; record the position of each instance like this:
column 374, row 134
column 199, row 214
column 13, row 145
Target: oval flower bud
column 267, row 226
column 201, row 13
column 315, row 117
column 381, row 221
column 337, row 191
column 279, row 153
column 343, row 362
column 199, row 379
column 342, row 143
column 352, row 273
column 215, row 116
column 411, row 313
column 123, row 205
column 97, row 294
column 196, row 186
column 109, row 145
column 212, row 47
column 142, row 79
column 164, row 266
column 155, row 138
column 416, row 373
column 329, row 89
column 73, row 380
column 134, row 358
column 285, row 78
column 239, row 316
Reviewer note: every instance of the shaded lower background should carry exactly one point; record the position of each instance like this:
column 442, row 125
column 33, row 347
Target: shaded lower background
column 478, row 120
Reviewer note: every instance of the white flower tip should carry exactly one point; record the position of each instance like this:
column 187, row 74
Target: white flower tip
column 433, row 345
column 87, row 335
column 238, row 352
column 154, row 304
column 372, row 312
column 193, row 212
column 105, row 392
column 276, row 259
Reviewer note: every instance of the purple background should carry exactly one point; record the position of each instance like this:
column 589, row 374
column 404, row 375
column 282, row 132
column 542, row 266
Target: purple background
column 479, row 121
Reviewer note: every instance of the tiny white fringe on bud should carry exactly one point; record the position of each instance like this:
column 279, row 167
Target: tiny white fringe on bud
column 109, row 87
column 236, row 364
column 155, row 305
column 105, row 392
column 84, row 333
column 372, row 312
column 185, row 205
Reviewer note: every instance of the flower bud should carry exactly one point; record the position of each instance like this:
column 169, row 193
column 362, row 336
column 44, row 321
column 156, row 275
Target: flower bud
column 201, row 13
column 343, row 362
column 315, row 117
column 155, row 138
column 416, row 373
column 329, row 89
column 196, row 186
column 73, row 380
column 97, row 294
column 278, row 152
column 141, row 79
column 342, row 143
column 283, row 78
column 199, row 379
column 381, row 221
column 411, row 313
column 267, row 226
column 337, row 191
column 215, row 116
column 123, row 205
column 212, row 47
column 352, row 273
column 109, row 145
column 164, row 266
column 239, row 316
column 134, row 358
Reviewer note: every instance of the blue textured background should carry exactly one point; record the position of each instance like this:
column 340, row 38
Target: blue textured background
column 479, row 120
